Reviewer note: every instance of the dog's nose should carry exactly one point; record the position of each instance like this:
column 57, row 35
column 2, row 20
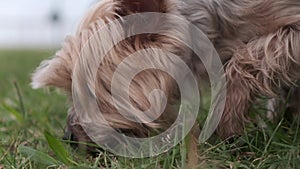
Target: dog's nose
column 67, row 135
column 70, row 137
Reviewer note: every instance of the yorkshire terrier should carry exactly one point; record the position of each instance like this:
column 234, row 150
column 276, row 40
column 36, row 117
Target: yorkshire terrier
column 257, row 41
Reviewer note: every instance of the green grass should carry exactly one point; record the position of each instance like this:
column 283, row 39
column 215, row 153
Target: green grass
column 31, row 129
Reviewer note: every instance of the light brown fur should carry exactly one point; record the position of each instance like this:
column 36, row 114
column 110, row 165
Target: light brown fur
column 58, row 71
column 258, row 42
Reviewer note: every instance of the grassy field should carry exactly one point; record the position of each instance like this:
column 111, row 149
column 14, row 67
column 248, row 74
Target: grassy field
column 32, row 122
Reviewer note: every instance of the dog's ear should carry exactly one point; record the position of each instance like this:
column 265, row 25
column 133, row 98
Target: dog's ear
column 139, row 6
column 57, row 71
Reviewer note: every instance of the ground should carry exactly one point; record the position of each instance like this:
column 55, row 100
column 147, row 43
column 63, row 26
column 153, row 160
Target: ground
column 32, row 124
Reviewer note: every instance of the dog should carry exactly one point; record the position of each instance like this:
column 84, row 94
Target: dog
column 257, row 41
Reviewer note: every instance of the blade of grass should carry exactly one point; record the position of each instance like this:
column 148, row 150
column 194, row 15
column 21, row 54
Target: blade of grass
column 81, row 167
column 14, row 112
column 58, row 149
column 297, row 131
column 20, row 99
column 37, row 156
column 271, row 138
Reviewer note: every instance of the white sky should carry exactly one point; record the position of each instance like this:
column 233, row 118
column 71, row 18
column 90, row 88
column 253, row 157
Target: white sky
column 26, row 23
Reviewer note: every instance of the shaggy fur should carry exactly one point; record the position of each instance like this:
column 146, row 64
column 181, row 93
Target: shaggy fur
column 59, row 70
column 258, row 42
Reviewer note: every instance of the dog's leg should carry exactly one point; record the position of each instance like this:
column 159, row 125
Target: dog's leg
column 237, row 101
column 287, row 105
column 293, row 106
column 284, row 104
column 274, row 108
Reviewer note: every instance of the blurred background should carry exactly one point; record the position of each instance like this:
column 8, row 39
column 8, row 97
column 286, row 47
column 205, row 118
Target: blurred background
column 32, row 31
column 39, row 24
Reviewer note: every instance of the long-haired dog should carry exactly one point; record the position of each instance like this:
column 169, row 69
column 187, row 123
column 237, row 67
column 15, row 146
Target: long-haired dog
column 257, row 41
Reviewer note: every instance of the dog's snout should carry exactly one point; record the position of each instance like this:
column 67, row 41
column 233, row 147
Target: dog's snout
column 70, row 137
column 67, row 135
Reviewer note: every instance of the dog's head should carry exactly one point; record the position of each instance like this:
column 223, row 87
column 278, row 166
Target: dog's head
column 59, row 71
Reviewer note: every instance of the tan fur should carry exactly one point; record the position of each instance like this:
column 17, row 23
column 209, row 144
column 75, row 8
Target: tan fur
column 258, row 42
column 58, row 71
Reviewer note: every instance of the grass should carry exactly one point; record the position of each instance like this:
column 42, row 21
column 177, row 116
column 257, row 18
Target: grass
column 32, row 122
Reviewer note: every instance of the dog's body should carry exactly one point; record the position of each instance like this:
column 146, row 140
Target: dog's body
column 256, row 40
